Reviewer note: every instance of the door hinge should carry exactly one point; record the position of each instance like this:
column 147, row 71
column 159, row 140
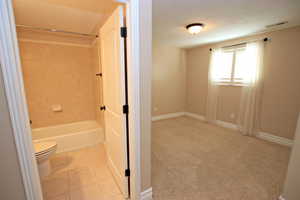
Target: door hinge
column 102, row 108
column 99, row 74
column 127, row 172
column 124, row 32
column 125, row 109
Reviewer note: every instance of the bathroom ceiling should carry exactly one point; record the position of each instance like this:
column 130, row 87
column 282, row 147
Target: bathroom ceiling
column 224, row 19
column 70, row 15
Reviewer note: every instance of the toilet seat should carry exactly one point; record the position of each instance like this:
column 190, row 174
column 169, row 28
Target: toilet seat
column 44, row 147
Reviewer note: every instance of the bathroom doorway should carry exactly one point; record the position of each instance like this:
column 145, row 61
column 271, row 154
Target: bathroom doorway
column 75, row 88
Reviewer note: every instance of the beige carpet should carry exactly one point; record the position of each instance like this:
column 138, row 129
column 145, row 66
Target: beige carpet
column 192, row 160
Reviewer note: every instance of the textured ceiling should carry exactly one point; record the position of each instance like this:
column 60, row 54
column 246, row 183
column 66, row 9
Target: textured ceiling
column 224, row 19
column 85, row 16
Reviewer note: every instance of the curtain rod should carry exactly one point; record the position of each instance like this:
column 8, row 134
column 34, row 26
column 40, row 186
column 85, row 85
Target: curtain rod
column 56, row 30
column 265, row 40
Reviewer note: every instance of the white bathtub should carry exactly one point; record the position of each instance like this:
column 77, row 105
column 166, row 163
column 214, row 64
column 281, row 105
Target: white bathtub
column 71, row 136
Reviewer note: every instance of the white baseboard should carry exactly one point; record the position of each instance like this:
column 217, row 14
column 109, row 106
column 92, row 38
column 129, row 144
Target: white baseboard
column 168, row 116
column 147, row 194
column 195, row 116
column 262, row 135
column 226, row 124
column 217, row 122
column 276, row 139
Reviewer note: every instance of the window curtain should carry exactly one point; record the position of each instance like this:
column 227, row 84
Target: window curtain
column 213, row 88
column 248, row 118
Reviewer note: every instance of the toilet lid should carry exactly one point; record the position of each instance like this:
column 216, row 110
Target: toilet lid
column 42, row 147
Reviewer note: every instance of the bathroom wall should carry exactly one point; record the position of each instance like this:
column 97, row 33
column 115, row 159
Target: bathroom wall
column 58, row 73
column 281, row 97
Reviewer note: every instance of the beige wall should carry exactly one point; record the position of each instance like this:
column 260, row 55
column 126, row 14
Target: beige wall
column 58, row 74
column 281, row 97
column 168, row 79
column 11, row 184
column 196, row 76
column 292, row 183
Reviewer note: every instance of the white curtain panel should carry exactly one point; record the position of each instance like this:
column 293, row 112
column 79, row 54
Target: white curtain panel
column 213, row 88
column 248, row 118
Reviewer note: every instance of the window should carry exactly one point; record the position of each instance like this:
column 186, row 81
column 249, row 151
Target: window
column 230, row 66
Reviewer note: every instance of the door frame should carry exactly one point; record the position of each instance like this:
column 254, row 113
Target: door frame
column 14, row 88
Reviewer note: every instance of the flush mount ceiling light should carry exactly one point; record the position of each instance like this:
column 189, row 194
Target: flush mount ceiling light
column 194, row 28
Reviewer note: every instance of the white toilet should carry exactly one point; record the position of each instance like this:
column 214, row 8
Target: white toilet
column 43, row 151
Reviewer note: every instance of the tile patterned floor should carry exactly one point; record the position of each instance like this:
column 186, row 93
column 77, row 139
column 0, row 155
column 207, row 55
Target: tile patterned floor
column 192, row 160
column 80, row 175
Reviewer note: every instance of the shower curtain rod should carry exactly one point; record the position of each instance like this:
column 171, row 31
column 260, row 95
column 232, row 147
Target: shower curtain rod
column 55, row 30
column 264, row 39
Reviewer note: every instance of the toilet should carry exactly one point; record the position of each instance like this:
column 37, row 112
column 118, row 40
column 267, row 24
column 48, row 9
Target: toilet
column 43, row 151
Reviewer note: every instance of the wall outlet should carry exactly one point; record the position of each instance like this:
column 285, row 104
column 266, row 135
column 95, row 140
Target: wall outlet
column 56, row 108
column 232, row 116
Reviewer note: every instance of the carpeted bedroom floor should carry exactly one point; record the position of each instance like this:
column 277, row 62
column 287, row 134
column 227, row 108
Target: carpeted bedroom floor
column 192, row 160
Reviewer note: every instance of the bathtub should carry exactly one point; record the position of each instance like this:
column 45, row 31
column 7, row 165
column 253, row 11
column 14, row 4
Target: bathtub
column 70, row 136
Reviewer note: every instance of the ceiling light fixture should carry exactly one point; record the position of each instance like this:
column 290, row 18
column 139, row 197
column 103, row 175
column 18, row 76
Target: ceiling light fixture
column 194, row 28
